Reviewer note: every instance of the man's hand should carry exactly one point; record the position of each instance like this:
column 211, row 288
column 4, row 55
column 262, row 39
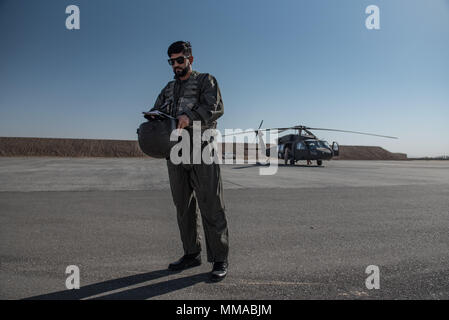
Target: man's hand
column 183, row 121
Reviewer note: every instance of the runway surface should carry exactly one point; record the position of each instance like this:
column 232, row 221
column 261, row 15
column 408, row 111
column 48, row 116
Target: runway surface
column 303, row 233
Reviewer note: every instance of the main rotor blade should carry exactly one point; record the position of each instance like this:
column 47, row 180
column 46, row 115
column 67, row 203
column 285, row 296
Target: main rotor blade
column 237, row 133
column 255, row 131
column 309, row 128
column 357, row 132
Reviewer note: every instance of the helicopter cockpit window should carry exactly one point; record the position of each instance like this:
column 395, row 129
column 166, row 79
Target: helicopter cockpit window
column 312, row 144
column 323, row 144
column 300, row 146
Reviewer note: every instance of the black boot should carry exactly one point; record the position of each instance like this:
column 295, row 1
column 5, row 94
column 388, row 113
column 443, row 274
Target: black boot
column 219, row 271
column 187, row 261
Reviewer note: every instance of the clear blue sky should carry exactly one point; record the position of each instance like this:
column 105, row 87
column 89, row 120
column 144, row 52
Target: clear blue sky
column 287, row 62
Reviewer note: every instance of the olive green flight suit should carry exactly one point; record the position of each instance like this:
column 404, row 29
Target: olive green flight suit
column 197, row 188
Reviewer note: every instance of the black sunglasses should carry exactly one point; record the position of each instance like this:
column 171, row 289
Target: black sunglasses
column 179, row 60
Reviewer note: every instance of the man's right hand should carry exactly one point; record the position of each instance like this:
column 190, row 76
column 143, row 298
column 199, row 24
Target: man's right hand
column 183, row 121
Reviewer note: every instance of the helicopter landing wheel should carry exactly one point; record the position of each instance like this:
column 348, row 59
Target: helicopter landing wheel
column 319, row 162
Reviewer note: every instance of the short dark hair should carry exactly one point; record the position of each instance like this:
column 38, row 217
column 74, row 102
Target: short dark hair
column 180, row 46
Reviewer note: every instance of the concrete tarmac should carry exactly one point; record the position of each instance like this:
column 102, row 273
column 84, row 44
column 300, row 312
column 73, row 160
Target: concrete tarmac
column 303, row 233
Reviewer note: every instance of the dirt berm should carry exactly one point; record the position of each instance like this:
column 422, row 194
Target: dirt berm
column 53, row 147
column 368, row 153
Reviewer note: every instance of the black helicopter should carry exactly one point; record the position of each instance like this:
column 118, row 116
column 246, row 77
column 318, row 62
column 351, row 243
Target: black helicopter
column 303, row 145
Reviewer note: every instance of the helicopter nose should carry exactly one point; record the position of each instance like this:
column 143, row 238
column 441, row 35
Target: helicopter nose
column 325, row 154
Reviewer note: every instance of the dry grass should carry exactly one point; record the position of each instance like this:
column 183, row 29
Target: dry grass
column 68, row 147
column 368, row 153
column 52, row 147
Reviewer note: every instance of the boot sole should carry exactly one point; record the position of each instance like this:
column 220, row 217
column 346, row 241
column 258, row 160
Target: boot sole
column 216, row 278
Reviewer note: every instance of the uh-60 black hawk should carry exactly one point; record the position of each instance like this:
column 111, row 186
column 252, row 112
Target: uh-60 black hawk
column 303, row 145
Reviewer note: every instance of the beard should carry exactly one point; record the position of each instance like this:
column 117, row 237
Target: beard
column 181, row 73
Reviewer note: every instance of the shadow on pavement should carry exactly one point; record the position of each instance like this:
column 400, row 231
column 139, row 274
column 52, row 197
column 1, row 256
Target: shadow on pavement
column 279, row 165
column 144, row 292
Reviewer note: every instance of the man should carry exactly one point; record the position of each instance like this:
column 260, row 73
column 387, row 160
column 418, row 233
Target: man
column 195, row 96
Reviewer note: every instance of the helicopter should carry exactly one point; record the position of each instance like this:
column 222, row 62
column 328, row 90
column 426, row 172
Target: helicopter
column 303, row 145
